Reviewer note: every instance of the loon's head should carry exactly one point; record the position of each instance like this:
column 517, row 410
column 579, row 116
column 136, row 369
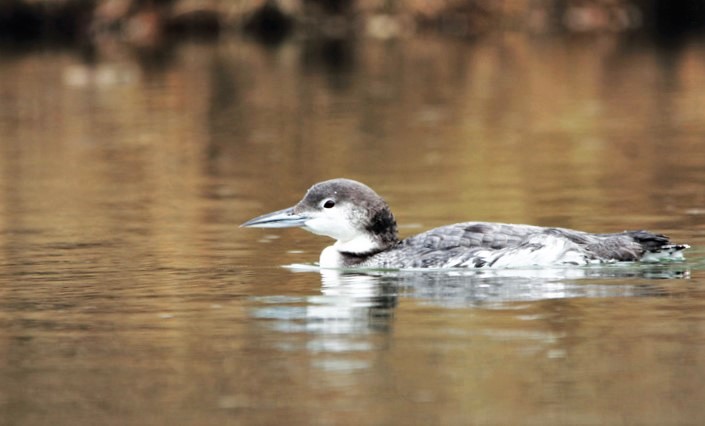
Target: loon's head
column 343, row 209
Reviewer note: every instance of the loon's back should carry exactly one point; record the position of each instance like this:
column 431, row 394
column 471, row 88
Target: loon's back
column 485, row 244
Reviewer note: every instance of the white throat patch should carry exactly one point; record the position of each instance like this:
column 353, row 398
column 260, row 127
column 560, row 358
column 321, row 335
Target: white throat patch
column 331, row 256
column 361, row 243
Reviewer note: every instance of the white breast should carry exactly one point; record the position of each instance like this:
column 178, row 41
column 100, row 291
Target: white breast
column 330, row 258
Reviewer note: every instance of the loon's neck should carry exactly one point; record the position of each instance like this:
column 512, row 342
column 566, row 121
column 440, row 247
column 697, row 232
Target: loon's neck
column 353, row 252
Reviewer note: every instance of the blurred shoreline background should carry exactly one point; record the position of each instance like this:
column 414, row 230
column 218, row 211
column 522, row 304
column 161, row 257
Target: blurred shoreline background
column 149, row 23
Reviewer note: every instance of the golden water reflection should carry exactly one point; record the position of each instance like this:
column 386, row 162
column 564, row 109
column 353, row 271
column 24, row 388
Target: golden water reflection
column 128, row 294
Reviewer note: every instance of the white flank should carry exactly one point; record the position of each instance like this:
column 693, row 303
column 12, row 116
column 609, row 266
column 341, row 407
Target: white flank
column 540, row 250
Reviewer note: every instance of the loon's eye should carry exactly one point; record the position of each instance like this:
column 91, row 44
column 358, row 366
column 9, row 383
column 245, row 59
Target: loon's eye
column 328, row 204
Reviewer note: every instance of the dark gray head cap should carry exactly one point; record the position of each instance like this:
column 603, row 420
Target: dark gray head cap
column 379, row 218
column 341, row 190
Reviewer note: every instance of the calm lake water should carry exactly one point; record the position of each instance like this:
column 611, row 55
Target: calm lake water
column 129, row 295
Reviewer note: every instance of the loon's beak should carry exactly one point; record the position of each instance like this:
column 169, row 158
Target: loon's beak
column 280, row 219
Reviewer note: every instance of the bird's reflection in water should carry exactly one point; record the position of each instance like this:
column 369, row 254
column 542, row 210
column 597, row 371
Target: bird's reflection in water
column 362, row 302
column 339, row 327
column 488, row 287
column 347, row 303
column 354, row 300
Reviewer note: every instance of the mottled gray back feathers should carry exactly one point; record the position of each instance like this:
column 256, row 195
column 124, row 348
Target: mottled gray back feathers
column 477, row 244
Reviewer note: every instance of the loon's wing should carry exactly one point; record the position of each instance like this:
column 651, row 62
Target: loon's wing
column 460, row 244
column 472, row 235
column 477, row 244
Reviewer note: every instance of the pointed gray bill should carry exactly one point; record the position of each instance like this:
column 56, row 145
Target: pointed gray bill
column 280, row 219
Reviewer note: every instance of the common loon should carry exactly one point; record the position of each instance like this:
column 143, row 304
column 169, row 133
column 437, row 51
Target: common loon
column 366, row 236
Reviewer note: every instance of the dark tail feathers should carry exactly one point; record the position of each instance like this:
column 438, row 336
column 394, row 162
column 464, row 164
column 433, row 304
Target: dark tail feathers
column 655, row 242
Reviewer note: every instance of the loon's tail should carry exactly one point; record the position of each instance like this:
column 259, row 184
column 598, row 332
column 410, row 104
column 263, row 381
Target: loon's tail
column 657, row 247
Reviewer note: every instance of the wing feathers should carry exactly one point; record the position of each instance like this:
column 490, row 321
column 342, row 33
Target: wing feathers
column 478, row 244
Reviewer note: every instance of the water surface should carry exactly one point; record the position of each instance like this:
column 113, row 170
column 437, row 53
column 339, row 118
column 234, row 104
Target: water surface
column 128, row 294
